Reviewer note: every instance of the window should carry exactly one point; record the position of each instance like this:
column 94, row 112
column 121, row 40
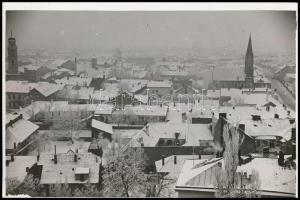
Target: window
column 272, row 143
column 257, row 143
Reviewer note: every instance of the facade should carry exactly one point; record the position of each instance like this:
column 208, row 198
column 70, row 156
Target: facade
column 17, row 94
column 34, row 73
column 45, row 91
column 159, row 88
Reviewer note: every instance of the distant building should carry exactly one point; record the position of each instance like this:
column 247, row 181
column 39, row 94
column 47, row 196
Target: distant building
column 280, row 73
column 159, row 88
column 17, row 94
column 19, row 134
column 34, row 73
column 94, row 63
column 45, row 91
column 245, row 80
column 12, row 55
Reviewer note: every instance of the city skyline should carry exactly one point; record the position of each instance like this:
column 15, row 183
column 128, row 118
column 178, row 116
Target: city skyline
column 150, row 31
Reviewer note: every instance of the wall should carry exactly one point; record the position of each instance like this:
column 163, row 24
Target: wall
column 15, row 100
column 155, row 153
column 195, row 194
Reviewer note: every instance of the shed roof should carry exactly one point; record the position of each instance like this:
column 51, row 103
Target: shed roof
column 102, row 126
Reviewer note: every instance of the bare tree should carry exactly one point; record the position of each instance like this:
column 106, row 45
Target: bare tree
column 227, row 182
column 88, row 190
column 123, row 86
column 60, row 190
column 30, row 186
column 12, row 186
column 123, row 174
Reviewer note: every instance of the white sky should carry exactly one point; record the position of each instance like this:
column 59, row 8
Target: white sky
column 200, row 30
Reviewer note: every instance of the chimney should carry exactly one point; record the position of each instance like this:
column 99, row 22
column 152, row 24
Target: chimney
column 147, row 129
column 38, row 157
column 55, row 156
column 163, row 160
column 293, row 137
column 12, row 157
column 293, row 152
column 75, row 157
column 75, row 66
column 175, row 160
column 292, row 121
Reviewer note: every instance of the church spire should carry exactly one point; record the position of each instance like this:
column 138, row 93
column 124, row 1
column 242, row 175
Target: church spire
column 249, row 59
column 249, row 48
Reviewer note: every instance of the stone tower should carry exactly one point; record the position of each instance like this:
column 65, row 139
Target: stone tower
column 12, row 55
column 249, row 61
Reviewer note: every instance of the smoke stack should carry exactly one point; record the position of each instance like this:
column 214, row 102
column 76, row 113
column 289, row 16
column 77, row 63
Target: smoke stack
column 75, row 66
column 55, row 156
column 12, row 157
column 293, row 152
column 293, row 137
column 175, row 160
column 75, row 157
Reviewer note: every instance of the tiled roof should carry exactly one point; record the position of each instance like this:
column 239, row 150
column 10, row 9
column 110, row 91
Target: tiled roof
column 104, row 109
column 64, row 170
column 84, row 82
column 47, row 89
column 18, row 132
column 19, row 86
column 193, row 133
column 159, row 84
column 275, row 179
column 17, row 168
column 102, row 126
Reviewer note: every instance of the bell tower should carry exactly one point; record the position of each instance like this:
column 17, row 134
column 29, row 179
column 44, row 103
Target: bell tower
column 12, row 55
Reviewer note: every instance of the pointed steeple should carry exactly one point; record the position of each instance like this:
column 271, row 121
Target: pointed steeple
column 249, row 60
column 249, row 48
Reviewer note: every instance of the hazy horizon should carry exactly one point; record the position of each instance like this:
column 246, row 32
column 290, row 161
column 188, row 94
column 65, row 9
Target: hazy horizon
column 272, row 31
